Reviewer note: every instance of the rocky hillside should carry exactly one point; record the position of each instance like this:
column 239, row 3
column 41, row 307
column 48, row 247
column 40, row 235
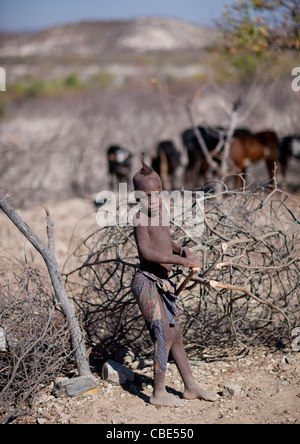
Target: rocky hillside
column 103, row 37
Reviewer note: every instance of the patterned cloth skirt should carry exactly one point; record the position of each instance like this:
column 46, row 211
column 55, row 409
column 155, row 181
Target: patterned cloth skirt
column 147, row 289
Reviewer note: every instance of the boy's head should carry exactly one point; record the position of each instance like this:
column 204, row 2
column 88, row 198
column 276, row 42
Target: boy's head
column 148, row 182
column 147, row 179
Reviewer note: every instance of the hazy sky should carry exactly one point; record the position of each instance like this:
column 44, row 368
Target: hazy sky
column 20, row 15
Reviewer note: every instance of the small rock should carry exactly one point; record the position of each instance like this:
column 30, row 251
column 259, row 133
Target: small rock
column 75, row 387
column 230, row 390
column 116, row 373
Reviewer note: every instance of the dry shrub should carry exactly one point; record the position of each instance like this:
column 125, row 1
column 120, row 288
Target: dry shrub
column 37, row 340
column 256, row 302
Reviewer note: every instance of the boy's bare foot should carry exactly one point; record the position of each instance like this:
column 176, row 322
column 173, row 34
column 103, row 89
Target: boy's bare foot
column 165, row 399
column 199, row 393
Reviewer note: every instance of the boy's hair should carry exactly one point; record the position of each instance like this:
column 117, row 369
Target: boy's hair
column 145, row 170
column 145, row 176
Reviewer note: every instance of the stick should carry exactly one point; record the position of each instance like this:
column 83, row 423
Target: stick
column 187, row 280
column 216, row 284
column 245, row 267
column 194, row 271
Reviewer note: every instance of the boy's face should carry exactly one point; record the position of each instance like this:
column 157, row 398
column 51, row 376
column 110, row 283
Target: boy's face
column 152, row 201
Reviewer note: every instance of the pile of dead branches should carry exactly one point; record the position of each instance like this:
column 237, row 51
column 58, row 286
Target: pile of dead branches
column 34, row 338
column 247, row 292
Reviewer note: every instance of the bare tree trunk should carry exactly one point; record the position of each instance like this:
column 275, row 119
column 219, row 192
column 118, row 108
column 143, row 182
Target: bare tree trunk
column 77, row 338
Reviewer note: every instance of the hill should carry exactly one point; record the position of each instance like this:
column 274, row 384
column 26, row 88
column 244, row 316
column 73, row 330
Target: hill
column 98, row 38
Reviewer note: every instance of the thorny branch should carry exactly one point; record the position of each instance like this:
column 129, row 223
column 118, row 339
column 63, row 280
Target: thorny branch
column 247, row 292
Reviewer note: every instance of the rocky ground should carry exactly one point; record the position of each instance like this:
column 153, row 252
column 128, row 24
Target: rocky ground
column 266, row 390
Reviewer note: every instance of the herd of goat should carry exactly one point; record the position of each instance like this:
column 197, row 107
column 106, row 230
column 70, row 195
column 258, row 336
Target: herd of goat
column 245, row 148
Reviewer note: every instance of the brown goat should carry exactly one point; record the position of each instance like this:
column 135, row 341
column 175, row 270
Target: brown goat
column 251, row 148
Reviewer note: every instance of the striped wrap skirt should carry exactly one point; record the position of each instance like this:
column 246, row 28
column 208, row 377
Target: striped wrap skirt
column 147, row 289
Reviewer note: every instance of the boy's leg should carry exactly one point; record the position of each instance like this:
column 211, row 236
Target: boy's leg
column 151, row 306
column 160, row 395
column 191, row 388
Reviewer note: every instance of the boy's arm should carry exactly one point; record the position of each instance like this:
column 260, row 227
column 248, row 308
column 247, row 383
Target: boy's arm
column 176, row 248
column 182, row 251
column 148, row 254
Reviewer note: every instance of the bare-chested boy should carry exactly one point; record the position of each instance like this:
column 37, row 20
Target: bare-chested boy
column 155, row 293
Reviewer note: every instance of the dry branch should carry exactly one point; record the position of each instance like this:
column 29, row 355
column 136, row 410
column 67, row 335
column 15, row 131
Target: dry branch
column 48, row 255
column 37, row 338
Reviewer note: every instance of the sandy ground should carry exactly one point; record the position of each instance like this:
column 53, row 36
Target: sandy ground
column 269, row 394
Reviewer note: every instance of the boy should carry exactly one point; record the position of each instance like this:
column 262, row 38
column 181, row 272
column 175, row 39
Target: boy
column 155, row 293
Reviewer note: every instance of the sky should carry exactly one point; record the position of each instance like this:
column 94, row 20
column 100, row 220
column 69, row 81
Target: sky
column 30, row 15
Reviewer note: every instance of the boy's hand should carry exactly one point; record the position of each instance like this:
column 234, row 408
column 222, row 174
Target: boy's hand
column 192, row 258
column 191, row 262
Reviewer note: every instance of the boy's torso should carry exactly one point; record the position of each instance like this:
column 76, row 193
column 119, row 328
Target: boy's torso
column 161, row 241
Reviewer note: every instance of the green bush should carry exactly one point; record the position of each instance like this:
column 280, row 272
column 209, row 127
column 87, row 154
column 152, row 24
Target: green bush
column 72, row 81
